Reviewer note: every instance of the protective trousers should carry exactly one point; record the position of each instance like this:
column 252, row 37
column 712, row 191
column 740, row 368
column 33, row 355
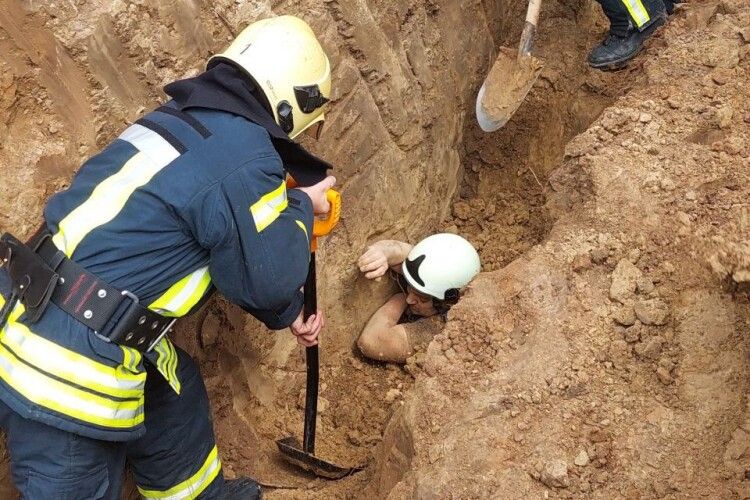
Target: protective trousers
column 175, row 459
column 626, row 14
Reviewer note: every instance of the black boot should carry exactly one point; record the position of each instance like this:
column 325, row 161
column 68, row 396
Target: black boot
column 242, row 488
column 615, row 51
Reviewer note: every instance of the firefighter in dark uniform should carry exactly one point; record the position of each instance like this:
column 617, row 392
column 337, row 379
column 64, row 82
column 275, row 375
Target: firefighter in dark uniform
column 189, row 198
column 631, row 23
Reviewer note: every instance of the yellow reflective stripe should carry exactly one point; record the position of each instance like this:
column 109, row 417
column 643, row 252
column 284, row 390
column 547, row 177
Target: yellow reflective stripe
column 166, row 363
column 304, row 229
column 105, row 202
column 131, row 358
column 267, row 209
column 637, row 11
column 183, row 295
column 193, row 486
column 173, row 380
column 109, row 197
column 69, row 365
column 17, row 311
column 65, row 399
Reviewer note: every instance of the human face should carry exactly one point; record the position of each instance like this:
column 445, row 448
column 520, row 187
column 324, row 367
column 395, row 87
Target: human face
column 419, row 303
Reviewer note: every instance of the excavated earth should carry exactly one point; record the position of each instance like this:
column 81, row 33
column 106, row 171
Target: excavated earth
column 602, row 352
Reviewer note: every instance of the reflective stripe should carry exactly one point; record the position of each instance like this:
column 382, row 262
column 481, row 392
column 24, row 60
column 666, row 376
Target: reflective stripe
column 18, row 343
column 166, row 363
column 194, row 485
column 637, row 11
column 69, row 365
column 109, row 197
column 151, row 144
column 131, row 358
column 65, row 399
column 183, row 295
column 267, row 209
column 304, row 229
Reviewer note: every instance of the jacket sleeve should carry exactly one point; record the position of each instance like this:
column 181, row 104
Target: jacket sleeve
column 257, row 235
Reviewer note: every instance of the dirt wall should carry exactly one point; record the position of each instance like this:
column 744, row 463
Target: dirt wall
column 74, row 74
column 600, row 354
column 609, row 361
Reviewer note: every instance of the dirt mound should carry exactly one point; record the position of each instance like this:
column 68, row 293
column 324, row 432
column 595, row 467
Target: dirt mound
column 598, row 355
column 608, row 361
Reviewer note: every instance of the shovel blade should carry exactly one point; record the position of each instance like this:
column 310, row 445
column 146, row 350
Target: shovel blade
column 292, row 451
column 505, row 88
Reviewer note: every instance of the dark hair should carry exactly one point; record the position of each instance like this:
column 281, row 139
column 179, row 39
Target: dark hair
column 443, row 306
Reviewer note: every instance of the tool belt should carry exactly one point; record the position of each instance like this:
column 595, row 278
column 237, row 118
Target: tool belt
column 40, row 274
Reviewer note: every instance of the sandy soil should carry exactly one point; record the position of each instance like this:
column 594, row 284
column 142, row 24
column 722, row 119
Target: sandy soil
column 600, row 354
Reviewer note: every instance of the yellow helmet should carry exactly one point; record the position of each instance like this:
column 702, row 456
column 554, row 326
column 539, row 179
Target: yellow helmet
column 282, row 55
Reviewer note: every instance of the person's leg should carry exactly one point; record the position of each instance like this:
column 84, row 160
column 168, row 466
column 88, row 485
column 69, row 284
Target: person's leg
column 49, row 463
column 631, row 23
column 177, row 457
column 617, row 13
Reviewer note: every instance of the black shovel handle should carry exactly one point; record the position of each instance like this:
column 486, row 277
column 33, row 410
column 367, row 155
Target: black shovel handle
column 311, row 355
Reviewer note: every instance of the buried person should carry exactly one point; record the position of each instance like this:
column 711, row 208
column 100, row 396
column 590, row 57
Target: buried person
column 431, row 276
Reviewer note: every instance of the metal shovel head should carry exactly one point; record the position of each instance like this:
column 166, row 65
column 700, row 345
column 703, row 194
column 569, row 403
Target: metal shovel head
column 505, row 88
column 293, row 453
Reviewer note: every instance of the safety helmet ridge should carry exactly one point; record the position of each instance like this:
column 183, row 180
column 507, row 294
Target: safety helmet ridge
column 285, row 59
column 440, row 264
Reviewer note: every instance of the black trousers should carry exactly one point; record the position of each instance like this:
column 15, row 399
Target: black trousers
column 626, row 14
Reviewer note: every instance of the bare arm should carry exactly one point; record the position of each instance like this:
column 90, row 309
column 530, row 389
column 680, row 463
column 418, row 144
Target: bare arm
column 382, row 338
column 382, row 255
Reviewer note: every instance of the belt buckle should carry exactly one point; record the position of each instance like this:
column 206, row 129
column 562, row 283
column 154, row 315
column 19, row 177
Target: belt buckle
column 161, row 335
column 118, row 332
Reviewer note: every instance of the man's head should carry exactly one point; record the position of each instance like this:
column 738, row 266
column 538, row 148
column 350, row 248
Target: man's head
column 421, row 304
column 436, row 269
column 285, row 59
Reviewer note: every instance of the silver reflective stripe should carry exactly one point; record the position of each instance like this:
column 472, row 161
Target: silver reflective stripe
column 149, row 142
column 109, row 196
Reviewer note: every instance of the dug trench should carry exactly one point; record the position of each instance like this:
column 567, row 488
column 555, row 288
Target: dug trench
column 599, row 354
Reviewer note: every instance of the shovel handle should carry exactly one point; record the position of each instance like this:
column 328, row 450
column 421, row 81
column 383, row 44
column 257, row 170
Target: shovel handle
column 312, row 362
column 311, row 400
column 529, row 29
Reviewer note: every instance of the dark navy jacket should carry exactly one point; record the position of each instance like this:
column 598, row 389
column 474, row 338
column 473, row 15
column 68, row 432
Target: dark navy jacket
column 179, row 202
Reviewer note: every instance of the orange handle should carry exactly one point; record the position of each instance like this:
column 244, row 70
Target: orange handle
column 322, row 227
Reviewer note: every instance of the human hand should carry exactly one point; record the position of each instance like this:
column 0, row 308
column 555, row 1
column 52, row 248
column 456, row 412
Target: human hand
column 317, row 194
column 374, row 262
column 307, row 331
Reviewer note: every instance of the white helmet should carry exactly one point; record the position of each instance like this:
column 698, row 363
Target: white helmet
column 283, row 56
column 440, row 265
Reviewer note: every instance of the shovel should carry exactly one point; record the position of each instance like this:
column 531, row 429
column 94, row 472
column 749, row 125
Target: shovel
column 303, row 455
column 510, row 78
